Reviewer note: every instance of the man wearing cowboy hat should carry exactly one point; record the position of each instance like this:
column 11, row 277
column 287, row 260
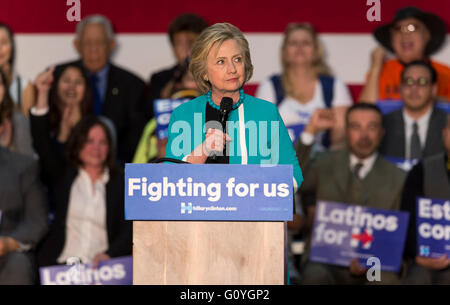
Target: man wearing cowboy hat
column 412, row 35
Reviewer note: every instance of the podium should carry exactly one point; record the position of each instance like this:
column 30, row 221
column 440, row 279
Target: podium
column 207, row 251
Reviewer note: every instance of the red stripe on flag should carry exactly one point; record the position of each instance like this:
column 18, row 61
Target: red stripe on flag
column 143, row 16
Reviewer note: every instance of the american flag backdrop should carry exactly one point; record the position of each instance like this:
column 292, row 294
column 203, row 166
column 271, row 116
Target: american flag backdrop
column 44, row 35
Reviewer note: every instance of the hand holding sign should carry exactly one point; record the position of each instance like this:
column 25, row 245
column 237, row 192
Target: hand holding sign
column 433, row 263
column 322, row 119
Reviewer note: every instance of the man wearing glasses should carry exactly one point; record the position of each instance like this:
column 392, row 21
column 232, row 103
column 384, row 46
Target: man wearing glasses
column 412, row 35
column 414, row 132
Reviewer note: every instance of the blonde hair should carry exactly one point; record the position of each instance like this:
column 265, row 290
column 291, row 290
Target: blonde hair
column 217, row 33
column 319, row 65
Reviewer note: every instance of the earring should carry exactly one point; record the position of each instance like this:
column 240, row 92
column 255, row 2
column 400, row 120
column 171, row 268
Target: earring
column 207, row 79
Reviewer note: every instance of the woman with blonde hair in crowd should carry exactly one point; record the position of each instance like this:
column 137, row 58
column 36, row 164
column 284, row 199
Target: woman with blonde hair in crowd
column 306, row 85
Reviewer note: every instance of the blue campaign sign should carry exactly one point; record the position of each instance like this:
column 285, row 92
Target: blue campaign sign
column 116, row 271
column 163, row 108
column 404, row 164
column 295, row 131
column 433, row 227
column 343, row 232
column 387, row 106
column 224, row 192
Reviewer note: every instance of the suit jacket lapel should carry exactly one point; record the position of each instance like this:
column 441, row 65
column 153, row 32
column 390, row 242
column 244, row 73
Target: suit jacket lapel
column 433, row 139
column 398, row 146
column 341, row 171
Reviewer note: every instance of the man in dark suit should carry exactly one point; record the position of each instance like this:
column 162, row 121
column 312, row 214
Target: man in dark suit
column 357, row 175
column 23, row 217
column 118, row 94
column 430, row 178
column 414, row 132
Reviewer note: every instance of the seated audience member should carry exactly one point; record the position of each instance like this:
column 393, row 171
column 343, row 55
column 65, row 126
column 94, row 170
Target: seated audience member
column 357, row 175
column 175, row 82
column 118, row 94
column 65, row 101
column 23, row 217
column 413, row 132
column 89, row 216
column 20, row 89
column 412, row 35
column 430, row 178
column 15, row 128
column 183, row 31
column 306, row 83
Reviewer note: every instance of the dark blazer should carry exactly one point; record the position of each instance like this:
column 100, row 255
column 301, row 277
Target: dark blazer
column 23, row 203
column 62, row 175
column 393, row 144
column 327, row 178
column 124, row 105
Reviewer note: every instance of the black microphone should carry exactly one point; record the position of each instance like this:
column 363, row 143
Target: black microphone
column 226, row 104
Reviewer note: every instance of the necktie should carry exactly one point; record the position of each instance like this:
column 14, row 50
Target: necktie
column 415, row 147
column 97, row 97
column 356, row 169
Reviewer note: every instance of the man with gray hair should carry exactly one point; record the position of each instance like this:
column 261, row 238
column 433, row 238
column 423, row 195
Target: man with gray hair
column 118, row 94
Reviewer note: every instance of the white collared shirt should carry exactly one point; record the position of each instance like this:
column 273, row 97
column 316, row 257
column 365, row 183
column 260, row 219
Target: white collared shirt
column 367, row 164
column 86, row 233
column 422, row 125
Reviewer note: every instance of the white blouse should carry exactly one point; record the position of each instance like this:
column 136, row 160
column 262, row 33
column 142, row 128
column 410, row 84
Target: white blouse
column 86, row 233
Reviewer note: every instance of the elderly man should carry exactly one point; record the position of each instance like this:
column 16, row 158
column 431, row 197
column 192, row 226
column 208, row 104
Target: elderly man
column 430, row 178
column 23, row 217
column 413, row 132
column 412, row 35
column 118, row 94
column 357, row 175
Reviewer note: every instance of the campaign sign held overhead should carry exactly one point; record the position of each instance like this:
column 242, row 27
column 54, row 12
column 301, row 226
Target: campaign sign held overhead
column 208, row 192
column 343, row 232
column 116, row 271
column 433, row 227
column 163, row 108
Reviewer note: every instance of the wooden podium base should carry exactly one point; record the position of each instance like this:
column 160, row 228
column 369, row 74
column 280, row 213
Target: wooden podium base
column 208, row 253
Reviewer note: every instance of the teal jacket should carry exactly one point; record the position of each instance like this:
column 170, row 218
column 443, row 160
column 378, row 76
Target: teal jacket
column 258, row 135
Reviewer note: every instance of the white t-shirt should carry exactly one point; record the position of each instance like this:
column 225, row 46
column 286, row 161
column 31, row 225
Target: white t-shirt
column 293, row 112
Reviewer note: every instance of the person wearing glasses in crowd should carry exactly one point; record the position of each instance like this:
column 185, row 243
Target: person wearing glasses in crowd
column 413, row 132
column 412, row 35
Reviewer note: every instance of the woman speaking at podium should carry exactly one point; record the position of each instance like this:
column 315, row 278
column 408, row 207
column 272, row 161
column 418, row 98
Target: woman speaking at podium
column 225, row 125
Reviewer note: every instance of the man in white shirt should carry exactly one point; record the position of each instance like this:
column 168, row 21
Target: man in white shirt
column 413, row 132
column 357, row 175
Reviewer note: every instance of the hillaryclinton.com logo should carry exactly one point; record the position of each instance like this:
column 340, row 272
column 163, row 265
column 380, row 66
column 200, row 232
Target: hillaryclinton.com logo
column 186, row 208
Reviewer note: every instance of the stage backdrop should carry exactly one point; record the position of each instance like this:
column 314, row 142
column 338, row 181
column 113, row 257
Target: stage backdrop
column 44, row 35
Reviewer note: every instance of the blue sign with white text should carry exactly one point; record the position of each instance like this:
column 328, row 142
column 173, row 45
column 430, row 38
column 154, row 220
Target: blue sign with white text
column 116, row 271
column 388, row 106
column 295, row 131
column 404, row 164
column 163, row 108
column 208, row 192
column 433, row 227
column 343, row 232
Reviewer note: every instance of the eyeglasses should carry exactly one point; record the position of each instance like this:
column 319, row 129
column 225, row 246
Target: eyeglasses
column 421, row 82
column 408, row 28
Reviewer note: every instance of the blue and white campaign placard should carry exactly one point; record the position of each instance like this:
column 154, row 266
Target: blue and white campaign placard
column 116, row 271
column 404, row 164
column 433, row 227
column 295, row 131
column 343, row 232
column 163, row 108
column 388, row 106
column 224, row 192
